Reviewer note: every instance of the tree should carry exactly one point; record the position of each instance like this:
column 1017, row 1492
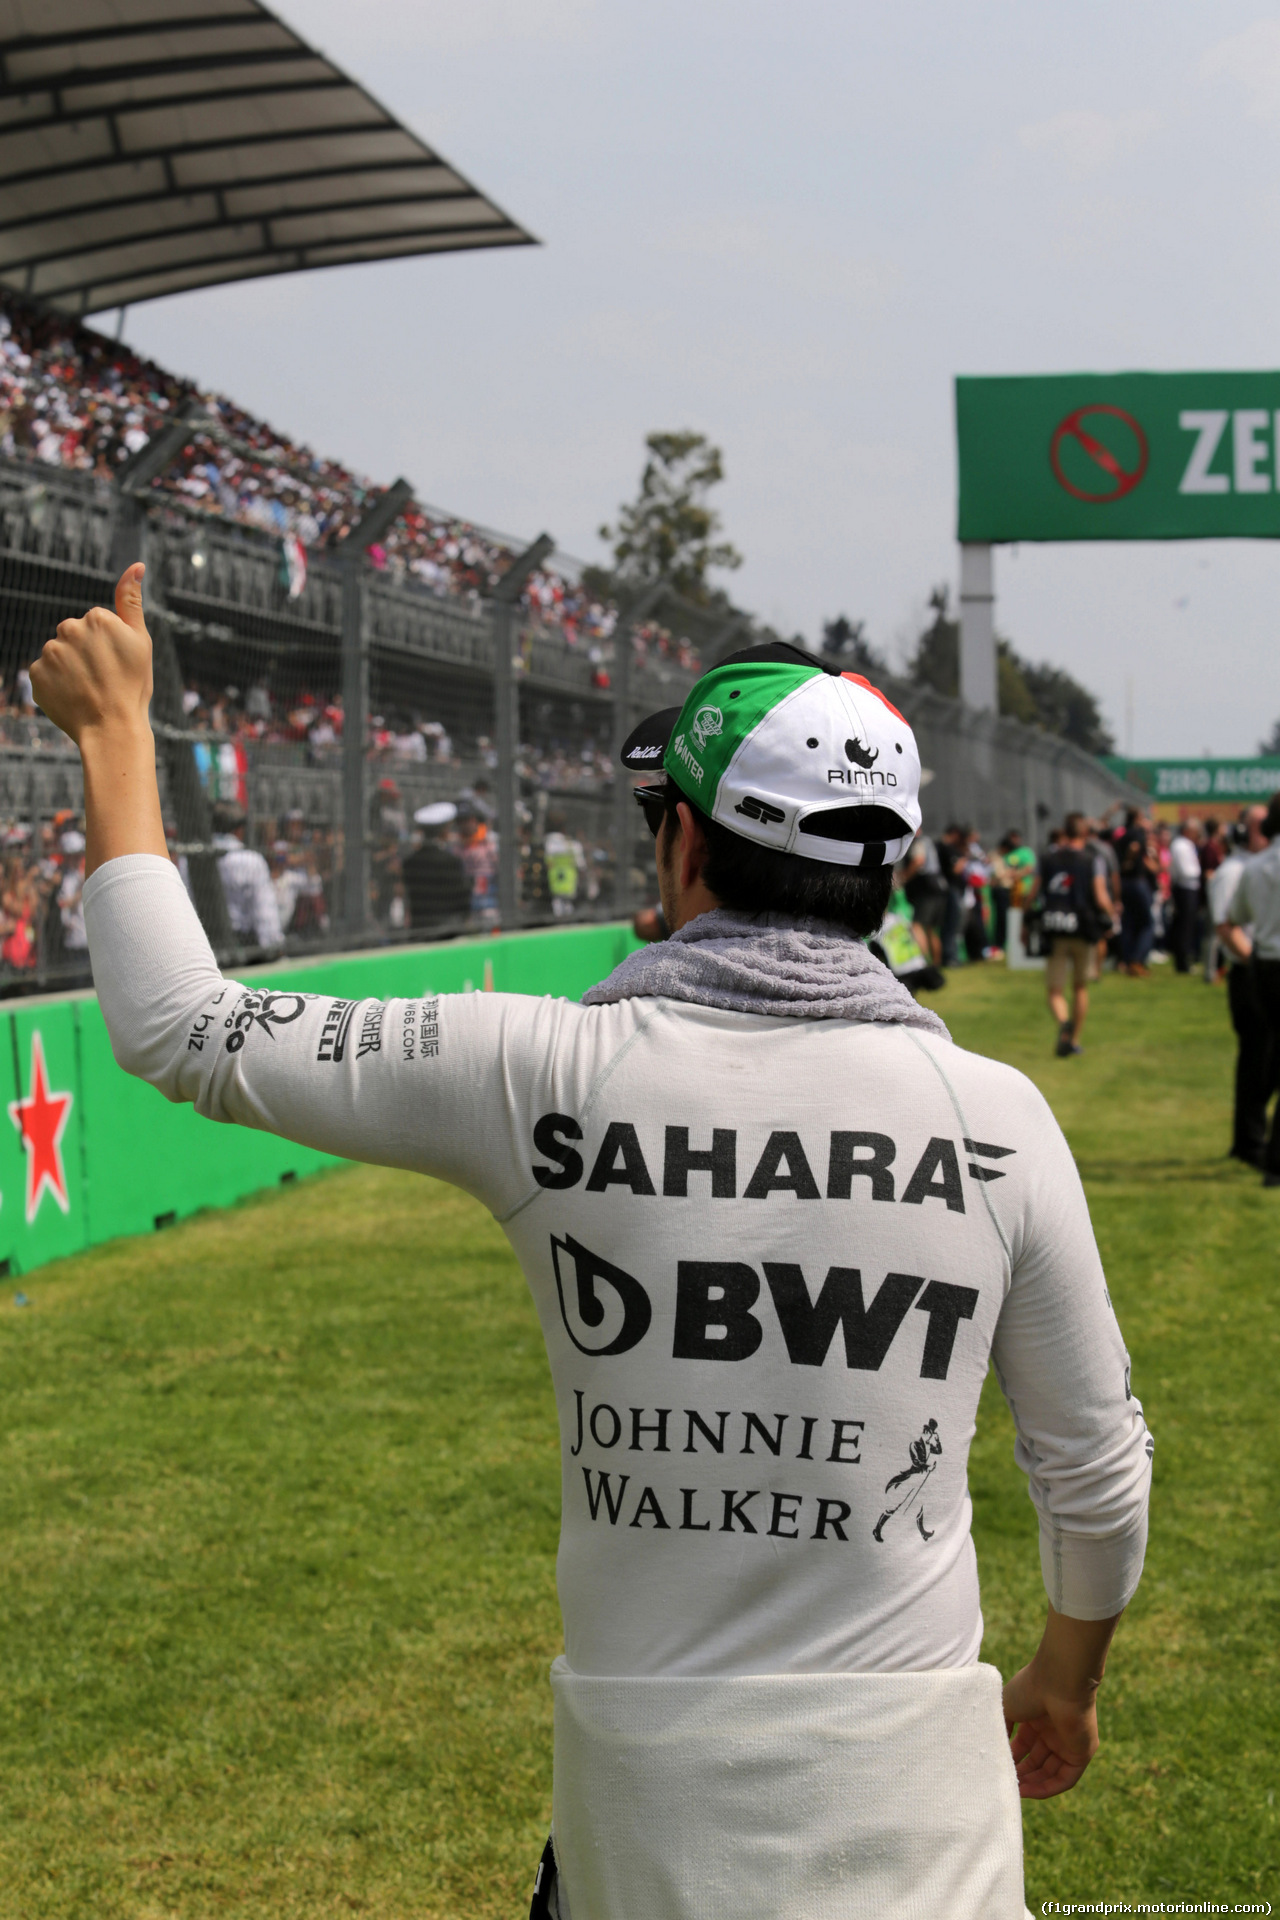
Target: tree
column 1066, row 708
column 1012, row 692
column 936, row 660
column 1042, row 696
column 1272, row 743
column 846, row 640
column 669, row 532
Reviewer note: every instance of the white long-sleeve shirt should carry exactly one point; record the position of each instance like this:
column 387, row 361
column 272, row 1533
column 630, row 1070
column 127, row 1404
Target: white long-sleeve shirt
column 252, row 907
column 772, row 1259
column 1184, row 862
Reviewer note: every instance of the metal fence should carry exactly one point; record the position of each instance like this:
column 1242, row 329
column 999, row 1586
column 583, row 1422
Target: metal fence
column 329, row 723
column 406, row 766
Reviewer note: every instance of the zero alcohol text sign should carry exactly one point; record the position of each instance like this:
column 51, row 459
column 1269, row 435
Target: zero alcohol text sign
column 1119, row 456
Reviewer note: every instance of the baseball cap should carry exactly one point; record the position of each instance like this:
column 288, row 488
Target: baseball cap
column 438, row 813
column 792, row 754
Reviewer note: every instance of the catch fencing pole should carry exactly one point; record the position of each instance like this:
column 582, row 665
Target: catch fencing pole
column 191, row 811
column 623, row 811
column 355, row 703
column 506, row 713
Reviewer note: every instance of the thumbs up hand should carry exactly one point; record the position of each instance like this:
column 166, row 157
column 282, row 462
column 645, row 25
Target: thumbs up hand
column 96, row 674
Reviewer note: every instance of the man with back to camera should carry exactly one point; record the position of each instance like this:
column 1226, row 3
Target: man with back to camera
column 1186, row 884
column 252, row 907
column 775, row 1226
column 436, row 886
column 1255, row 1068
column 1139, row 873
column 1077, row 915
column 1252, row 932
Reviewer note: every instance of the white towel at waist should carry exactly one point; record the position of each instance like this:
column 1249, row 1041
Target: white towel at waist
column 826, row 1796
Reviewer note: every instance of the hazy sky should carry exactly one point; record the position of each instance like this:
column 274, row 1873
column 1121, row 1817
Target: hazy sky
column 789, row 227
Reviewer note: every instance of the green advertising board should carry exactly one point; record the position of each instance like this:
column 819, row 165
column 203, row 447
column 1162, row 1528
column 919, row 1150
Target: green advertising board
column 1119, row 456
column 1232, row 783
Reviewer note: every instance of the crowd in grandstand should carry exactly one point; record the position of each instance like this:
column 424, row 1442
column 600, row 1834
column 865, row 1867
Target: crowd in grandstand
column 72, row 398
column 40, row 929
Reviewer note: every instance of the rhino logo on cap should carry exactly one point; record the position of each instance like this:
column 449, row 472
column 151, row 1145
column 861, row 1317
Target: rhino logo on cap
column 707, row 722
column 861, row 756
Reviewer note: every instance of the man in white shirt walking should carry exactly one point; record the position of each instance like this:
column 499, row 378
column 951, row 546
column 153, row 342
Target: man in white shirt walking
column 1185, row 879
column 1253, row 933
column 776, row 1226
column 1255, row 1068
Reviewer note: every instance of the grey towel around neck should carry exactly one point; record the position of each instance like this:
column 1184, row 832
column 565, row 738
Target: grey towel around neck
column 767, row 963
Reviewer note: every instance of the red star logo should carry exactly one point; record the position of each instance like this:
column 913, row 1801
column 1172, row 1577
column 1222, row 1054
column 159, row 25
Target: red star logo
column 41, row 1119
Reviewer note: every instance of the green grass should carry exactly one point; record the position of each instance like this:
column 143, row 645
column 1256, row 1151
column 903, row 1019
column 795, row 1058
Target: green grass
column 278, row 1506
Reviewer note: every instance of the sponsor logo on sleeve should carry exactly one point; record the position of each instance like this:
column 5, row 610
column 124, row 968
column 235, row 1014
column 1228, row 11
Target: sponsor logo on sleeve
column 420, row 1030
column 370, row 1040
column 333, row 1034
column 264, row 1010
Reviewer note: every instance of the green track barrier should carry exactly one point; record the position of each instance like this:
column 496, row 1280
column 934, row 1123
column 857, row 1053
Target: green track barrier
column 88, row 1153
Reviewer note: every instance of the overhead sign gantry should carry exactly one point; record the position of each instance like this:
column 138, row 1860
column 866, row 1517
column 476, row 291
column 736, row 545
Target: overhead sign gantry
column 1119, row 456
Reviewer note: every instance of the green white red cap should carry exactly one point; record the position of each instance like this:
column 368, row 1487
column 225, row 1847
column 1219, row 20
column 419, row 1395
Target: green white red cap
column 792, row 754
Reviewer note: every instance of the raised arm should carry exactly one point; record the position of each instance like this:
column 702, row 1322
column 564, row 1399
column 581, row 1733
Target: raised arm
column 422, row 1084
column 94, row 681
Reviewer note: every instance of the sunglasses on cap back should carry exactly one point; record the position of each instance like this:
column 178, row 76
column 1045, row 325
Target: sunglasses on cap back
column 652, row 803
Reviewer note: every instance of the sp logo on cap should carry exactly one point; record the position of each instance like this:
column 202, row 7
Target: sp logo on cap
column 764, row 811
column 707, row 721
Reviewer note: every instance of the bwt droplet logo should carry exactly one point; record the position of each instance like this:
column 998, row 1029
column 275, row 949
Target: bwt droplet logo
column 612, row 1324
column 707, row 722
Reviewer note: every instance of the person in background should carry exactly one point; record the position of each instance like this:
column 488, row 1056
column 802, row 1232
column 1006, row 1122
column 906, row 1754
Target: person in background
column 565, row 860
column 976, row 873
column 1256, row 1062
column 1099, row 843
column 927, row 892
column 1001, row 896
column 1257, row 905
column 246, row 881
column 951, row 855
column 389, row 832
column 1164, row 893
column 1021, row 862
column 1138, row 871
column 71, row 887
column 479, row 855
column 1077, row 912
column 1185, row 885
column 437, row 890
column 1213, row 851
column 900, row 946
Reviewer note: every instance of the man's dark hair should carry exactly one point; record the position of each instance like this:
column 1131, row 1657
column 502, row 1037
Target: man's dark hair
column 755, row 879
column 1271, row 825
column 228, row 817
column 1075, row 826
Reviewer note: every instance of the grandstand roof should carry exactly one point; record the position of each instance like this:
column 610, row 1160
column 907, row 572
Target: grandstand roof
column 152, row 146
